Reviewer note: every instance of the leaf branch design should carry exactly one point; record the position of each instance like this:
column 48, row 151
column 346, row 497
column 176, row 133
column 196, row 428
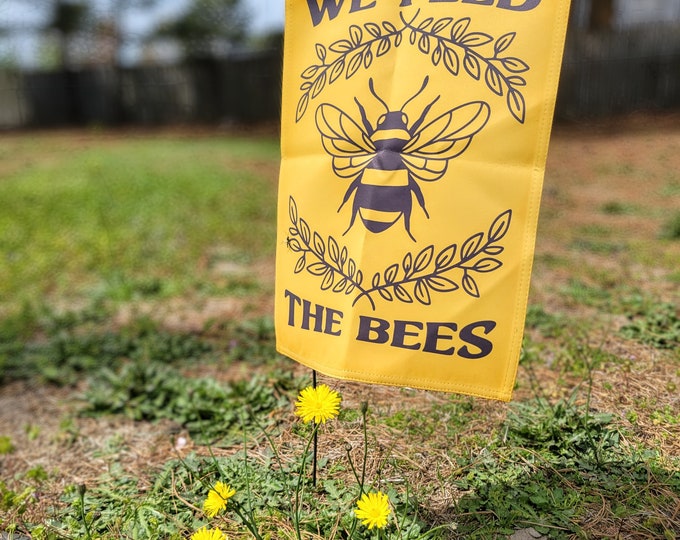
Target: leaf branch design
column 444, row 40
column 415, row 279
column 327, row 260
column 360, row 49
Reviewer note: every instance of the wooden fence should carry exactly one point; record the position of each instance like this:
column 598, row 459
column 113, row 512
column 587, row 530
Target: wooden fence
column 619, row 72
column 603, row 74
column 242, row 90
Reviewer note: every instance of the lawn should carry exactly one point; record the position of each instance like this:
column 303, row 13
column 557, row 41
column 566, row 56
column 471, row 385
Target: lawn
column 137, row 361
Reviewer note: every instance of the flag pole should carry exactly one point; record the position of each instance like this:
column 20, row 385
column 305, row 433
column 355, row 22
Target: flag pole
column 316, row 438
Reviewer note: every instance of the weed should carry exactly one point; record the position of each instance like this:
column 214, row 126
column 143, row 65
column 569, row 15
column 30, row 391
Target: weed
column 18, row 325
column 124, row 289
column 118, row 507
column 264, row 484
column 32, row 431
column 619, row 168
column 586, row 294
column 599, row 246
column 10, row 499
column 562, row 429
column 252, row 340
column 441, row 419
column 617, row 208
column 208, row 409
column 657, row 325
column 579, row 358
column 667, row 415
column 551, row 467
column 674, row 277
column 71, row 347
column 671, row 228
column 36, row 474
column 596, row 230
column 548, row 324
column 6, row 446
column 672, row 188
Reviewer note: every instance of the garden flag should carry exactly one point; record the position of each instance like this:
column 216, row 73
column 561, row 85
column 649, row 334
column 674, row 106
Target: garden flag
column 414, row 139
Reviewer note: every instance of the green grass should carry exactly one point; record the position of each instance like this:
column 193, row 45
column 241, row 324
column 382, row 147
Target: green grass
column 671, row 227
column 109, row 225
column 134, row 217
column 558, row 465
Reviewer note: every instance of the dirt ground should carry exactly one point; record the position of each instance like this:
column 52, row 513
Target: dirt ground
column 628, row 162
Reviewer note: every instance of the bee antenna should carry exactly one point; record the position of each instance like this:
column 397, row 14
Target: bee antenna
column 372, row 88
column 427, row 79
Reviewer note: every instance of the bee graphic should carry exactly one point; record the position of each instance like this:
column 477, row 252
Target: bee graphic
column 387, row 161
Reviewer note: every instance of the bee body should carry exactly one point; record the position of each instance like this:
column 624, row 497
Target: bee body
column 386, row 162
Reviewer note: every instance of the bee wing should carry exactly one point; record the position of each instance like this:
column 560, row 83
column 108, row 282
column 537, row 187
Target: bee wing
column 344, row 140
column 446, row 137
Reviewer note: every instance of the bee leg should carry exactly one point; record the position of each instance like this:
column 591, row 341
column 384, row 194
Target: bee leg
column 407, row 224
column 419, row 195
column 355, row 211
column 351, row 189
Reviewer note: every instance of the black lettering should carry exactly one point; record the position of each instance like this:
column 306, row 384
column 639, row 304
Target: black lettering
column 356, row 6
column 433, row 337
column 468, row 336
column 307, row 314
column 333, row 317
column 294, row 299
column 405, row 3
column 526, row 5
column 372, row 325
column 400, row 333
column 332, row 7
column 479, row 2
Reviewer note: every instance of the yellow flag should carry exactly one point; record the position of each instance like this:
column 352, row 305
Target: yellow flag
column 414, row 139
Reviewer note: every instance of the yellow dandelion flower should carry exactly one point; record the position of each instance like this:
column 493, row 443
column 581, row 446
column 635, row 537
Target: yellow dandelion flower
column 318, row 404
column 208, row 534
column 372, row 509
column 217, row 499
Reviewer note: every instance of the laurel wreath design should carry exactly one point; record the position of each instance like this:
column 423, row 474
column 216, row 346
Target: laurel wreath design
column 444, row 40
column 415, row 279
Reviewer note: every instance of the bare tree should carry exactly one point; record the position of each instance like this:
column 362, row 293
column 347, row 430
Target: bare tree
column 68, row 18
column 208, row 27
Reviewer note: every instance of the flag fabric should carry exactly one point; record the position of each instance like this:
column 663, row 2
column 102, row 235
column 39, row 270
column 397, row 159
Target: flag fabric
column 413, row 144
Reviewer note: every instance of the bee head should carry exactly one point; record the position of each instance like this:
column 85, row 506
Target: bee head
column 393, row 120
column 391, row 132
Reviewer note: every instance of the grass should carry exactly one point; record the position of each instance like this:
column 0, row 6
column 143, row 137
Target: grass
column 131, row 218
column 131, row 396
column 671, row 228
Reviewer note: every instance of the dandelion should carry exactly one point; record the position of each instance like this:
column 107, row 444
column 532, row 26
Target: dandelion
column 372, row 509
column 208, row 534
column 217, row 500
column 318, row 404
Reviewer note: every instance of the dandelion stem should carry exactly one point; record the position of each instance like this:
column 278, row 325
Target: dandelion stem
column 348, row 449
column 250, row 522
column 81, row 493
column 250, row 525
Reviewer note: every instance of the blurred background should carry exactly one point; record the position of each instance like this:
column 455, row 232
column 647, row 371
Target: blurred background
column 164, row 62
